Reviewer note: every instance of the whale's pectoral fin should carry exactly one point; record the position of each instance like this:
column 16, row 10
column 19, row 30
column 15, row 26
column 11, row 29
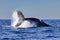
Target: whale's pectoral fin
column 42, row 23
column 17, row 18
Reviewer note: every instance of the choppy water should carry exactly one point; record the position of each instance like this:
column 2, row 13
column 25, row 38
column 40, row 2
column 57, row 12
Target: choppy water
column 38, row 33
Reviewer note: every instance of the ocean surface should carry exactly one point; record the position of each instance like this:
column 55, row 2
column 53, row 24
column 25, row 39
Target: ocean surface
column 37, row 33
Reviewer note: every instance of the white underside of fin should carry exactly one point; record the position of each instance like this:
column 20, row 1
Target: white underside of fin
column 14, row 19
column 26, row 24
column 17, row 18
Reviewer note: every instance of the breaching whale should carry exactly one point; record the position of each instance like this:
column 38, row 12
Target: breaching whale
column 19, row 21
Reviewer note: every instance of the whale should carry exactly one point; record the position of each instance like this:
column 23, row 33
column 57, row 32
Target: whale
column 19, row 21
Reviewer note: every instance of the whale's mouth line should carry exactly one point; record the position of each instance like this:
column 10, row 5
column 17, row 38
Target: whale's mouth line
column 20, row 21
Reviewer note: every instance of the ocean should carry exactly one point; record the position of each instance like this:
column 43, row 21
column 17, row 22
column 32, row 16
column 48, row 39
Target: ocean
column 37, row 33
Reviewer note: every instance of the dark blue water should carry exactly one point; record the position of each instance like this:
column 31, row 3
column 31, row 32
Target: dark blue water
column 38, row 33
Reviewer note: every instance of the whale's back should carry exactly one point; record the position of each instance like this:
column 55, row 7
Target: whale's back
column 38, row 22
